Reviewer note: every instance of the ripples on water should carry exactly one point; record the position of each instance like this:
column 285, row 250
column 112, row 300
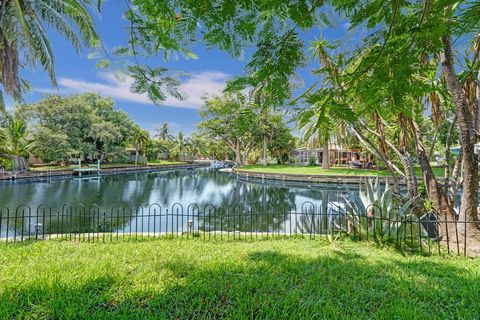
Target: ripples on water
column 116, row 195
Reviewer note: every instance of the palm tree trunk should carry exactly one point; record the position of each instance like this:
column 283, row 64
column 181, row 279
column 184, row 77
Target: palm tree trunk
column 136, row 156
column 435, row 192
column 434, row 141
column 448, row 145
column 326, row 156
column 392, row 168
column 409, row 173
column 264, row 151
column 467, row 134
column 477, row 104
column 410, row 176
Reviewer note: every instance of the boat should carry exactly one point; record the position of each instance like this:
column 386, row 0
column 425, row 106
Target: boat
column 217, row 164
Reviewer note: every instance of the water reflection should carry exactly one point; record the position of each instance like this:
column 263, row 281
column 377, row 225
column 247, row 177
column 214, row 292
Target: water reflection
column 174, row 201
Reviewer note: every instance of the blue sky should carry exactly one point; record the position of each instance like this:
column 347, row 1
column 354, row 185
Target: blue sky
column 208, row 75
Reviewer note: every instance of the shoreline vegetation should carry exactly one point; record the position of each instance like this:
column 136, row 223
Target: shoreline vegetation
column 268, row 278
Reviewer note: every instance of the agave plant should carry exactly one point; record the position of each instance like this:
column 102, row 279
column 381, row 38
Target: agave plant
column 374, row 210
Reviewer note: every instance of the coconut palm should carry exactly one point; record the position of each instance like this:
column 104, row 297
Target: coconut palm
column 180, row 146
column 197, row 144
column 16, row 136
column 325, row 121
column 140, row 140
column 23, row 35
column 163, row 132
column 323, row 124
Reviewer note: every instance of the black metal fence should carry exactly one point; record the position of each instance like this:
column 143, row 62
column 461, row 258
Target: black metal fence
column 425, row 234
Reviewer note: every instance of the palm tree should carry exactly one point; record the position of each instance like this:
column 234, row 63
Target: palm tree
column 163, row 132
column 140, row 139
column 181, row 146
column 16, row 136
column 197, row 144
column 23, row 35
column 322, row 124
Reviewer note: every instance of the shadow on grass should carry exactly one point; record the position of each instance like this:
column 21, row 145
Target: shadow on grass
column 266, row 285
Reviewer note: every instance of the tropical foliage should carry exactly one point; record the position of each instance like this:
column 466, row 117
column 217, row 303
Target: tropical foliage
column 78, row 126
column 25, row 41
column 375, row 210
column 401, row 69
column 244, row 126
column 406, row 91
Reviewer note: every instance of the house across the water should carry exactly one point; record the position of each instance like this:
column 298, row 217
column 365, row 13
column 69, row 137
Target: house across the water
column 338, row 156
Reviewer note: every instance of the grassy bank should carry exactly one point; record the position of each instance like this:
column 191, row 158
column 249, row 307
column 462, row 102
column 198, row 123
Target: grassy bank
column 334, row 171
column 269, row 279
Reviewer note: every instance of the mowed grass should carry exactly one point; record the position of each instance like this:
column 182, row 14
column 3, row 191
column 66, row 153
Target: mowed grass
column 264, row 279
column 333, row 171
column 164, row 162
column 313, row 170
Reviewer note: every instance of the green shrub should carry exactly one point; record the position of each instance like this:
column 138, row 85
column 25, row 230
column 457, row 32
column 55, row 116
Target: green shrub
column 6, row 164
column 253, row 157
column 379, row 204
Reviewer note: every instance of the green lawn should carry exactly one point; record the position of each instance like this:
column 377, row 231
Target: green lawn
column 264, row 279
column 163, row 162
column 317, row 170
column 437, row 171
column 335, row 171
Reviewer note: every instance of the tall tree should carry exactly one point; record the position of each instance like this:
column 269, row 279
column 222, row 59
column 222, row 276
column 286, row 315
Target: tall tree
column 281, row 142
column 16, row 136
column 24, row 39
column 140, row 140
column 181, row 146
column 197, row 144
column 163, row 132
column 230, row 119
column 84, row 124
column 382, row 82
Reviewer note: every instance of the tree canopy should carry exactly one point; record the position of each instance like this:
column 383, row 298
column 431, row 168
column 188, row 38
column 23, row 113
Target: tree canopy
column 78, row 126
column 24, row 36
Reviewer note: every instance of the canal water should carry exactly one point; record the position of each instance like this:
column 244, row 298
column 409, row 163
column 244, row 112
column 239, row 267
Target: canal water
column 170, row 201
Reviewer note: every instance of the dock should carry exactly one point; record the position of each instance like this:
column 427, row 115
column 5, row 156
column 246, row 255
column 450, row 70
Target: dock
column 91, row 168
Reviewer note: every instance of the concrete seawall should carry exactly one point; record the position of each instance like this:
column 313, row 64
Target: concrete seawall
column 338, row 179
column 105, row 171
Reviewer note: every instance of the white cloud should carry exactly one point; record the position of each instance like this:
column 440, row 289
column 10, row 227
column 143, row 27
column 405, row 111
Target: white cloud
column 118, row 87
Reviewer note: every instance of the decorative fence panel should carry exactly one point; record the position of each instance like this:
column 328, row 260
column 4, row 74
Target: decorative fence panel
column 78, row 222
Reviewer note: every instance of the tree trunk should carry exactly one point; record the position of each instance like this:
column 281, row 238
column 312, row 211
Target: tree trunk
column 264, row 151
column 238, row 154
column 434, row 141
column 372, row 147
column 136, row 156
column 326, row 156
column 477, row 104
column 409, row 174
column 448, row 145
column 435, row 192
column 411, row 177
column 455, row 182
column 467, row 134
